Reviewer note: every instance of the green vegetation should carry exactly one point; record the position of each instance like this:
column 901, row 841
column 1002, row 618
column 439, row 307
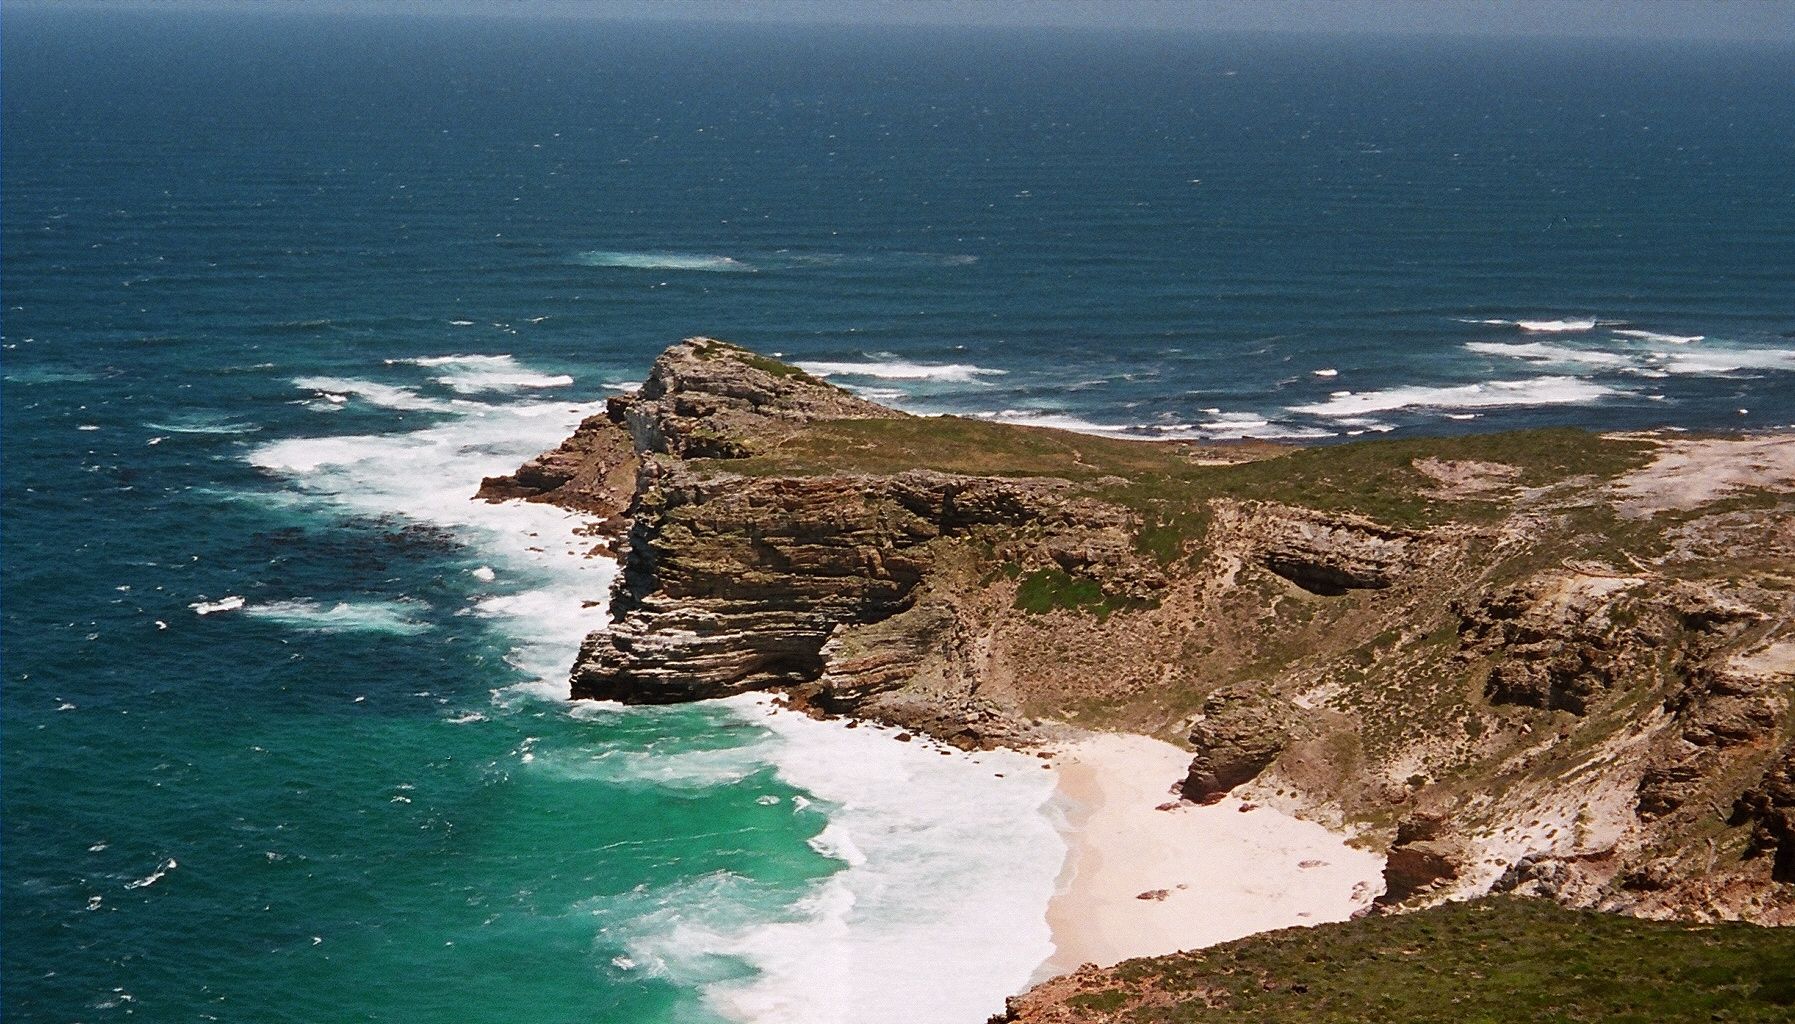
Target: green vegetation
column 713, row 349
column 1168, row 482
column 1043, row 590
column 1495, row 960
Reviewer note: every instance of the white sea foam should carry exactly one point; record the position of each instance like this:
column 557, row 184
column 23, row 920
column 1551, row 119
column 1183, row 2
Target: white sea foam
column 899, row 369
column 1491, row 394
column 203, row 423
column 658, row 768
column 663, row 261
column 155, row 876
column 48, row 375
column 1662, row 339
column 429, row 475
column 473, row 374
column 1545, row 326
column 1539, row 351
column 385, row 396
column 223, row 604
column 391, row 617
column 1556, row 326
column 1719, row 361
column 1235, row 426
column 923, row 883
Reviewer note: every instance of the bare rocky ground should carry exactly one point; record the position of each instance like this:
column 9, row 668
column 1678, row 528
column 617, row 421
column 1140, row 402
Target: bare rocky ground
column 1548, row 662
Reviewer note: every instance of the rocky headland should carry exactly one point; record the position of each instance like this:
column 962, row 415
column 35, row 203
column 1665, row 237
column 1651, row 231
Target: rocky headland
column 1552, row 663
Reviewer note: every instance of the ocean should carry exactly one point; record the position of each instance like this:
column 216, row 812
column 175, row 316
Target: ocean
column 285, row 735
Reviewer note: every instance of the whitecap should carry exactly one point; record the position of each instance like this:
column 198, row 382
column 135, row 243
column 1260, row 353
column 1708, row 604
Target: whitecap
column 1556, row 326
column 1718, row 361
column 203, row 423
column 155, row 876
column 899, row 369
column 1538, row 351
column 472, row 374
column 1662, row 339
column 658, row 768
column 1490, row 394
column 390, row 617
column 663, row 261
column 223, row 604
column 385, row 396
column 429, row 475
column 924, row 880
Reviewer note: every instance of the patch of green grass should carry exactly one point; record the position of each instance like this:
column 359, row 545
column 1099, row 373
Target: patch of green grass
column 1044, row 590
column 1499, row 959
column 1167, row 483
column 714, row 349
column 1100, row 1001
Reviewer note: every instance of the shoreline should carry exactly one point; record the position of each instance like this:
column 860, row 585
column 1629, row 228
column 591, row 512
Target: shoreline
column 1139, row 880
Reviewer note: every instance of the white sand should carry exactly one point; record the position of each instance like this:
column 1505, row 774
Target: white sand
column 1226, row 872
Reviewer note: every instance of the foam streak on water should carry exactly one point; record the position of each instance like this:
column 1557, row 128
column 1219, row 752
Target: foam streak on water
column 938, row 912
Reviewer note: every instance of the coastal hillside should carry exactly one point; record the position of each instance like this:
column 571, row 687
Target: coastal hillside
column 1549, row 662
column 1495, row 959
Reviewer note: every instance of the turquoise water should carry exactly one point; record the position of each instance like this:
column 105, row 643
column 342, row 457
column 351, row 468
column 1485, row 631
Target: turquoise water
column 278, row 290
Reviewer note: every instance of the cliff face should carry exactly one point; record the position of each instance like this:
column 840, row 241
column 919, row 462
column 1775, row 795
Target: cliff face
column 1548, row 662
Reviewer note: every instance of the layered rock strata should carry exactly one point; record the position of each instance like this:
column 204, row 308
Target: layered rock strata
column 1552, row 662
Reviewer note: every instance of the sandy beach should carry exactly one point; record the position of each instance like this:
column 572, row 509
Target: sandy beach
column 1208, row 873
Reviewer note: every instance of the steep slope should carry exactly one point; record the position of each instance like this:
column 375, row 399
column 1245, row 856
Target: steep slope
column 1549, row 662
column 1498, row 959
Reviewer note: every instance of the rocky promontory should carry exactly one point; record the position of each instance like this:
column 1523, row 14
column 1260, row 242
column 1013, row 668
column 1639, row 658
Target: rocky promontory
column 1548, row 662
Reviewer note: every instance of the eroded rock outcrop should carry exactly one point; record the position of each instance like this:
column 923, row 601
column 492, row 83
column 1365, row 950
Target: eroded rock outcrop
column 708, row 399
column 1242, row 730
column 1526, row 679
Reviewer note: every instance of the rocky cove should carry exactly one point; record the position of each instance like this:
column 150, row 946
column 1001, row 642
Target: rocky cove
column 1550, row 663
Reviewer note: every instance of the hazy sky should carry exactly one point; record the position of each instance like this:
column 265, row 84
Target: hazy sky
column 1765, row 20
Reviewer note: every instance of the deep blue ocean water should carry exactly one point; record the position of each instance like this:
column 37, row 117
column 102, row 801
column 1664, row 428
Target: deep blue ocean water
column 237, row 250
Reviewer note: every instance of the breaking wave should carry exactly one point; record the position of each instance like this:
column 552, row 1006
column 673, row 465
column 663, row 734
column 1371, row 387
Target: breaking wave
column 474, row 374
column 389, row 617
column 899, row 369
column 1490, row 394
column 663, row 261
